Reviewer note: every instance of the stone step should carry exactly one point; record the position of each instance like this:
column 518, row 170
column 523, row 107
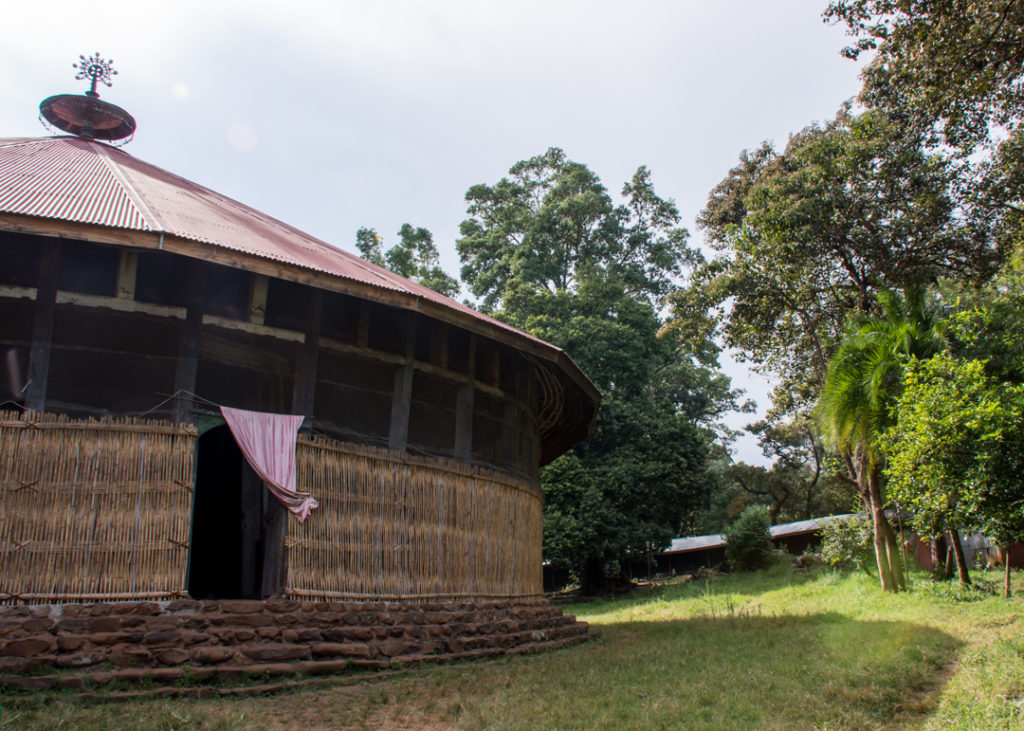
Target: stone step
column 155, row 639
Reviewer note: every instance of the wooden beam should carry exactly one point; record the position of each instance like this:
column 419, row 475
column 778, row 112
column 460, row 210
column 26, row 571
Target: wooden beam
column 202, row 251
column 188, row 350
column 252, row 328
column 401, row 400
column 42, row 327
column 225, row 323
column 464, row 408
column 304, row 390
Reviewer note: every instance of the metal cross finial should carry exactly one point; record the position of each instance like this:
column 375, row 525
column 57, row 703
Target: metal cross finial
column 96, row 69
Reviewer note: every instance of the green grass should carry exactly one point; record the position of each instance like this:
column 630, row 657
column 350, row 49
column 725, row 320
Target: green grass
column 772, row 650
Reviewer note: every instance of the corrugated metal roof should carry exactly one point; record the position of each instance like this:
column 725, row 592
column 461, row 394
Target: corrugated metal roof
column 88, row 182
column 53, row 180
column 805, row 526
column 84, row 181
column 694, row 543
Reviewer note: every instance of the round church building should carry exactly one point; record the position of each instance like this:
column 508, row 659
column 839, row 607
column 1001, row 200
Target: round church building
column 205, row 412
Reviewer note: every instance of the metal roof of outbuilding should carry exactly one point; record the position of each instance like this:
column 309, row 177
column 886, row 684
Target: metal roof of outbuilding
column 800, row 527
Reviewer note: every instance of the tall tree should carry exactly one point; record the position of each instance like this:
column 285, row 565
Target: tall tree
column 414, row 257
column 548, row 250
column 551, row 219
column 864, row 380
column 809, row 235
column 955, row 67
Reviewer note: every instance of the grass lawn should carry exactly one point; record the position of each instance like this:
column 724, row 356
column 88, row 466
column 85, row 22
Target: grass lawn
column 774, row 650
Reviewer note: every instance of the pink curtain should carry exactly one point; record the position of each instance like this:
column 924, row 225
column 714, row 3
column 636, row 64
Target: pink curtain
column 268, row 443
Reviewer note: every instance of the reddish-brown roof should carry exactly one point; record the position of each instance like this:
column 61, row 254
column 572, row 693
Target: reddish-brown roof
column 88, row 182
column 84, row 181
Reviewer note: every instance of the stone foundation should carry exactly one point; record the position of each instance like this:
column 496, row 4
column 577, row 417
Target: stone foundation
column 224, row 639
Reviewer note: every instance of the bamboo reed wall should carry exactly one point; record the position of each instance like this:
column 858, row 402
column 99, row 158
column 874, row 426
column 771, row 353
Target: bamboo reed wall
column 93, row 510
column 394, row 526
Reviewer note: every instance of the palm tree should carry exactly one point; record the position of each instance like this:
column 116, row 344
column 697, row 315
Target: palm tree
column 864, row 379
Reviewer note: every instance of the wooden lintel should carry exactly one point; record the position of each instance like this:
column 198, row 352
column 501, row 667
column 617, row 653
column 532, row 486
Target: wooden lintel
column 363, row 352
column 121, row 305
column 226, row 323
column 18, row 293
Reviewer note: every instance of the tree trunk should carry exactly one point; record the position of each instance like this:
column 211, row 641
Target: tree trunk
column 1006, row 562
column 938, row 550
column 961, row 562
column 593, row 581
column 887, row 553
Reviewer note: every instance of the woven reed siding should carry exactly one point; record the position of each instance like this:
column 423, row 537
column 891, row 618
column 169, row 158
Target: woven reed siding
column 93, row 509
column 391, row 525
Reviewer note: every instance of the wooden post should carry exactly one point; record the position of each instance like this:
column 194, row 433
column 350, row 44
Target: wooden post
column 363, row 325
column 275, row 532
column 127, row 271
column 401, row 400
column 464, row 407
column 439, row 349
column 304, row 390
column 42, row 326
column 258, row 298
column 188, row 351
column 510, row 424
column 251, row 528
column 533, row 441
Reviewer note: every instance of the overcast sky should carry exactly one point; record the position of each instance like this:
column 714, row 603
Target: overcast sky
column 332, row 116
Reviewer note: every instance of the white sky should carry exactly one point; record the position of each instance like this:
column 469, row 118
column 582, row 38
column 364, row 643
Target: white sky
column 332, row 116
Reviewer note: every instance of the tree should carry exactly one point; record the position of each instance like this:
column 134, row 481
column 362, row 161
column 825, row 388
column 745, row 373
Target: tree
column 552, row 218
column 931, row 447
column 547, row 250
column 414, row 257
column 807, row 236
column 956, row 451
column 796, row 486
column 864, row 380
column 953, row 66
column 748, row 543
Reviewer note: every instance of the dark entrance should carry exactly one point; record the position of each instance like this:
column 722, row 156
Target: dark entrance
column 238, row 527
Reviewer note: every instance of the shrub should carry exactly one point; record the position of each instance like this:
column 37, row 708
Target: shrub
column 748, row 544
column 848, row 542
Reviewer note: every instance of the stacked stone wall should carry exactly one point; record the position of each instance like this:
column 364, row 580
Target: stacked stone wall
column 240, row 636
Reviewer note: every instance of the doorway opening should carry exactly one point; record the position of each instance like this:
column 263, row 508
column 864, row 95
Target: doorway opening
column 238, row 527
